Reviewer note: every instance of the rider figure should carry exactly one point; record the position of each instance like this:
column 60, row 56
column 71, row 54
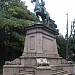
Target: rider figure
column 40, row 10
column 42, row 4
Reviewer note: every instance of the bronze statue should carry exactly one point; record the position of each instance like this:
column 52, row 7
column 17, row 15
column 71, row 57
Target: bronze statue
column 40, row 10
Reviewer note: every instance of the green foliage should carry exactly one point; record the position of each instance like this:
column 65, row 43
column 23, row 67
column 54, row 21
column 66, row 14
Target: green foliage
column 61, row 44
column 19, row 10
column 14, row 16
column 72, row 48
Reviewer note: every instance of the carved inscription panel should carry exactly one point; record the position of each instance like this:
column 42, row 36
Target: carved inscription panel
column 32, row 42
column 47, row 45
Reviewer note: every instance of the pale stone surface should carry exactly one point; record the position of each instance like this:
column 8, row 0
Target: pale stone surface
column 14, row 62
column 12, row 69
column 43, row 71
column 40, row 43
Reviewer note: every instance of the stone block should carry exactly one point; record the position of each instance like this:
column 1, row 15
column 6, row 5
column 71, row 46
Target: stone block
column 43, row 71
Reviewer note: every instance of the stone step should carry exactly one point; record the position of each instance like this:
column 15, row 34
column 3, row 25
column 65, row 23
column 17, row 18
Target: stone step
column 21, row 74
column 54, row 73
column 57, row 70
column 60, row 73
column 67, row 74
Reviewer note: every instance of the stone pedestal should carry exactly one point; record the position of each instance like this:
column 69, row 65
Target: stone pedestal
column 12, row 69
column 40, row 43
column 43, row 71
column 40, row 40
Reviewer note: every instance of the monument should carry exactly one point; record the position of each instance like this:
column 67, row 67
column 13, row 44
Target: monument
column 40, row 56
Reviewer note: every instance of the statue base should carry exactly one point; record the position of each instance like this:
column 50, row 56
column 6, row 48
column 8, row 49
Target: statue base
column 40, row 56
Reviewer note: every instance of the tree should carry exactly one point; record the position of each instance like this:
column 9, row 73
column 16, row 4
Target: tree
column 72, row 48
column 14, row 16
column 61, row 45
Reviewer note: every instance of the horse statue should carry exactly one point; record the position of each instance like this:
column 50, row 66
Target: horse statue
column 40, row 11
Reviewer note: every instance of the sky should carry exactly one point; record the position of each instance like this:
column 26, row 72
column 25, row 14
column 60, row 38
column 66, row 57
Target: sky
column 58, row 10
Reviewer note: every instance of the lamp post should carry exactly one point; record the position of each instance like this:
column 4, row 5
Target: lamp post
column 67, row 38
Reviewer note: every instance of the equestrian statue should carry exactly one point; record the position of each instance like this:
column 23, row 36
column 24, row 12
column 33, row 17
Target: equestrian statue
column 40, row 11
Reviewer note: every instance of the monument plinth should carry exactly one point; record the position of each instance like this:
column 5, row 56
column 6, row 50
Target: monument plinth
column 40, row 42
column 40, row 56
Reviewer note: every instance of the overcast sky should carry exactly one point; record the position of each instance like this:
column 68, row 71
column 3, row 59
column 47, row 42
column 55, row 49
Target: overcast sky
column 57, row 10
